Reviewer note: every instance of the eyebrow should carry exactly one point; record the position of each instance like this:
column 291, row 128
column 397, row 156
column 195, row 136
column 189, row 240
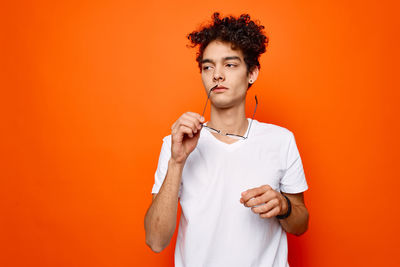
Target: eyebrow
column 225, row 59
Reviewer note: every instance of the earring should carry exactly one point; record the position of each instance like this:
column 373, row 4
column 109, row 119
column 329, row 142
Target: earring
column 251, row 81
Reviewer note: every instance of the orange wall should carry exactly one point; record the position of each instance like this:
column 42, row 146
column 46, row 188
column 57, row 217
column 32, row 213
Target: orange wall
column 90, row 88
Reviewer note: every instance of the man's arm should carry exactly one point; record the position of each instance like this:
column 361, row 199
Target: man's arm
column 297, row 222
column 269, row 203
column 160, row 218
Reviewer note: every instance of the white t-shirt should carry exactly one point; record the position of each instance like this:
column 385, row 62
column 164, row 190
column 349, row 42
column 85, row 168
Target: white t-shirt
column 215, row 229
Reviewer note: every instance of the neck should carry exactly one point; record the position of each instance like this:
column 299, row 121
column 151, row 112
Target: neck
column 229, row 120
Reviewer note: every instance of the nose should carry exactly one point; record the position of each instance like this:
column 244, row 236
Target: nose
column 218, row 75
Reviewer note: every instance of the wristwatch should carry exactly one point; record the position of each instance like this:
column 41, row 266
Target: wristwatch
column 289, row 210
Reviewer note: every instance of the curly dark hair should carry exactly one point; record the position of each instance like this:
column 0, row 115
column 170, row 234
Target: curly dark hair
column 241, row 32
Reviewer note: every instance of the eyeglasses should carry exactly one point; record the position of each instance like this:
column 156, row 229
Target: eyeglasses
column 234, row 136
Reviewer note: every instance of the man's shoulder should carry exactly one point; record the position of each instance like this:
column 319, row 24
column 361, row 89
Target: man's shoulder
column 167, row 138
column 264, row 128
column 166, row 141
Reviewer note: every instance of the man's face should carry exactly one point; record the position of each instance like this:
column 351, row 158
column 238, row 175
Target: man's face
column 226, row 67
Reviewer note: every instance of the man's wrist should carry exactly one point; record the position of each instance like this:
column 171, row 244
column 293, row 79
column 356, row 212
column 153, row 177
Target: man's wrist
column 287, row 208
column 284, row 206
column 174, row 164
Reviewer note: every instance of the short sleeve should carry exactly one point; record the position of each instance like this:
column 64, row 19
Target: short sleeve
column 162, row 166
column 293, row 180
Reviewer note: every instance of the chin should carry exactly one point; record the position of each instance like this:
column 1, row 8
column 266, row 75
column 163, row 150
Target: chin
column 221, row 104
column 226, row 99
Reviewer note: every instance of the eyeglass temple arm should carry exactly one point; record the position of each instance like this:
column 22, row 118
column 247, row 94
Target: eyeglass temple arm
column 218, row 131
column 252, row 118
column 208, row 96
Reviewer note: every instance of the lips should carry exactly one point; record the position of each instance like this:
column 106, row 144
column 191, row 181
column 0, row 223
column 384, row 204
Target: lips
column 220, row 88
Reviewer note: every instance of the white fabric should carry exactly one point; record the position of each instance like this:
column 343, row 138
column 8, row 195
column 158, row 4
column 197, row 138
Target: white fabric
column 215, row 229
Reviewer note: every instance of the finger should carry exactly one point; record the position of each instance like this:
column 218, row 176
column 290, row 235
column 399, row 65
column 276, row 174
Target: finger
column 186, row 130
column 263, row 197
column 197, row 135
column 254, row 192
column 180, row 131
column 196, row 115
column 256, row 201
column 272, row 213
column 264, row 208
column 185, row 120
column 267, row 196
column 189, row 123
column 195, row 119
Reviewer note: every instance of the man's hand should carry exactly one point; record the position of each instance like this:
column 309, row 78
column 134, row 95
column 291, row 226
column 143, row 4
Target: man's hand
column 185, row 133
column 264, row 201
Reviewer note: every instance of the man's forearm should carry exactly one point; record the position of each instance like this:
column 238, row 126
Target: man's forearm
column 160, row 219
column 297, row 222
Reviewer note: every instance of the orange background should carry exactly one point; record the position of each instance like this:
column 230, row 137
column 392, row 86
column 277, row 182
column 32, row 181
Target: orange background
column 90, row 88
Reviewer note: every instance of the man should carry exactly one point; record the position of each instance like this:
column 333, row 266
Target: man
column 239, row 181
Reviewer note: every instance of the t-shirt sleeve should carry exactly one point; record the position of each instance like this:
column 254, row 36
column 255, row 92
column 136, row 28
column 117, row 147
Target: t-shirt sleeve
column 162, row 166
column 293, row 180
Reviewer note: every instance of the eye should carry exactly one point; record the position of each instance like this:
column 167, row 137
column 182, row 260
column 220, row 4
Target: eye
column 206, row 67
column 231, row 65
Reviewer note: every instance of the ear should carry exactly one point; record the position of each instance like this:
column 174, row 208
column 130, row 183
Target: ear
column 253, row 74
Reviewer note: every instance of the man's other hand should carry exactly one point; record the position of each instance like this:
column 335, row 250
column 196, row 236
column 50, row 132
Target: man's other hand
column 264, row 201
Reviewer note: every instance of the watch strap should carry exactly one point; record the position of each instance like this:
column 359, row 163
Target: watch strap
column 284, row 216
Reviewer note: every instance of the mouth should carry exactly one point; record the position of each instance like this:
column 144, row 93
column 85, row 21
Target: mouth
column 219, row 88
